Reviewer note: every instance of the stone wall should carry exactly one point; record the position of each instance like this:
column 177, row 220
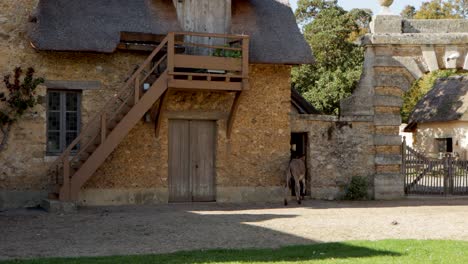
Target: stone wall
column 425, row 135
column 338, row 149
column 249, row 166
column 398, row 52
column 23, row 163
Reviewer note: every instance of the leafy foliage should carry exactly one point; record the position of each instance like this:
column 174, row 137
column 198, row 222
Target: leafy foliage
column 227, row 53
column 357, row 189
column 408, row 12
column 331, row 32
column 438, row 9
column 420, row 88
column 19, row 98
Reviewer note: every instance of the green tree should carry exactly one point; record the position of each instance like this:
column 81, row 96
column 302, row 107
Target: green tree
column 439, row 9
column 408, row 12
column 461, row 7
column 331, row 32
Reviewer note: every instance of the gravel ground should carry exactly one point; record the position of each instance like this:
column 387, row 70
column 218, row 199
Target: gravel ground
column 126, row 230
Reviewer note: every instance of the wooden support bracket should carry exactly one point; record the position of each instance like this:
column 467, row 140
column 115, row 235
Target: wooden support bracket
column 158, row 118
column 232, row 114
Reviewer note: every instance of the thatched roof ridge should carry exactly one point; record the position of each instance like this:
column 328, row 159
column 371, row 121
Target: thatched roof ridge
column 301, row 104
column 446, row 101
column 90, row 25
column 95, row 26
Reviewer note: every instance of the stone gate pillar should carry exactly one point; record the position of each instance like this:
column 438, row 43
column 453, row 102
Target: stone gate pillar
column 398, row 52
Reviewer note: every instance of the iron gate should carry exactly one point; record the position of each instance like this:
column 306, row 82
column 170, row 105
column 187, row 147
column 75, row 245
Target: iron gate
column 428, row 176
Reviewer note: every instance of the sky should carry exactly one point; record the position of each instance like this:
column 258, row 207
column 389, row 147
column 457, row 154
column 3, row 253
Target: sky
column 396, row 8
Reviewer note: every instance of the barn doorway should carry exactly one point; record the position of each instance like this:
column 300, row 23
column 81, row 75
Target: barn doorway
column 298, row 150
column 192, row 160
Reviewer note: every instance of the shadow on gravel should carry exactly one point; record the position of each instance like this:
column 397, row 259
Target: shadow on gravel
column 292, row 254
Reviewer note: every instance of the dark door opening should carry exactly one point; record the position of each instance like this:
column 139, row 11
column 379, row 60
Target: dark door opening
column 298, row 150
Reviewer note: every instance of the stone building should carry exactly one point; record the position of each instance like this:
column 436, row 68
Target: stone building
column 163, row 115
column 160, row 116
column 439, row 122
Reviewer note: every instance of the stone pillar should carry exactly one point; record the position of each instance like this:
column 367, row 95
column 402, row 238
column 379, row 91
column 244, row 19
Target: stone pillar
column 388, row 179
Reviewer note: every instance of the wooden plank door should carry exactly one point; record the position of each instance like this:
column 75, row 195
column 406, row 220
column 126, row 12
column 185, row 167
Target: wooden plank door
column 179, row 165
column 192, row 160
column 202, row 154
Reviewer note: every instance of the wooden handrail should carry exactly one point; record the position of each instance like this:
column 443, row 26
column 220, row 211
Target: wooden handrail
column 209, row 74
column 207, row 46
column 212, row 35
column 96, row 119
column 95, row 131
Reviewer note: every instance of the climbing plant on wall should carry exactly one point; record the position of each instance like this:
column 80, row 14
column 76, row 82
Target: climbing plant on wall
column 19, row 96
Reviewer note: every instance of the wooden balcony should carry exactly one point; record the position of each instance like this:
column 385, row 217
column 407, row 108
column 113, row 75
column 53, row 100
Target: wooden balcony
column 202, row 66
column 187, row 61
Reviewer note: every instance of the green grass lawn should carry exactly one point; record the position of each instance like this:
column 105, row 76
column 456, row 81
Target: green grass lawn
column 386, row 251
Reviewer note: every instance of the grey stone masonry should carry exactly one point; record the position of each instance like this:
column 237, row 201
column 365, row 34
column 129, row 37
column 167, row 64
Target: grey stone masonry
column 399, row 52
column 385, row 140
column 388, row 100
column 386, row 24
column 55, row 206
column 435, row 26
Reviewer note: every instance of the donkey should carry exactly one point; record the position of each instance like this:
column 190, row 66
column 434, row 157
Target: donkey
column 296, row 171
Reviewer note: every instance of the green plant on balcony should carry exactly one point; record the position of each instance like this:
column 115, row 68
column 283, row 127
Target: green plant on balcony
column 220, row 52
column 20, row 96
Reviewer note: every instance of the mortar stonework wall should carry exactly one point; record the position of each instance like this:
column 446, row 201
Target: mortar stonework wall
column 337, row 151
column 398, row 52
column 256, row 156
column 249, row 166
column 23, row 163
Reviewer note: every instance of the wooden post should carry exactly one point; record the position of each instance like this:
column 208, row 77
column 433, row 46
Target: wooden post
column 170, row 53
column 450, row 173
column 65, row 195
column 103, row 127
column 446, row 174
column 403, row 161
column 137, row 89
column 245, row 63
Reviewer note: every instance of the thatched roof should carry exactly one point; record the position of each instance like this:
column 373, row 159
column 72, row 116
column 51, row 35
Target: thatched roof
column 95, row 26
column 301, row 104
column 446, row 101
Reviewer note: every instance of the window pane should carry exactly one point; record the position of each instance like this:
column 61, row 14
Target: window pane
column 72, row 101
column 70, row 136
column 53, row 122
column 53, row 141
column 54, row 101
column 71, row 121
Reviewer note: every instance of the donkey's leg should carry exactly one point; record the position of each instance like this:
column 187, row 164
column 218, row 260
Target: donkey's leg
column 303, row 191
column 298, row 191
column 287, row 187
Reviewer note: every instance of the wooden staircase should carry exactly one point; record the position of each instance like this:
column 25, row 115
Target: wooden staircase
column 162, row 69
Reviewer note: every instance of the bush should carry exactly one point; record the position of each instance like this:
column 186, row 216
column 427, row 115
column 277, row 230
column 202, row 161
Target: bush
column 357, row 189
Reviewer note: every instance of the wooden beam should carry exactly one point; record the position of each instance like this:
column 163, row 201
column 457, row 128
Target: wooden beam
column 198, row 115
column 205, row 85
column 170, row 53
column 65, row 189
column 103, row 127
column 232, row 114
column 207, row 62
